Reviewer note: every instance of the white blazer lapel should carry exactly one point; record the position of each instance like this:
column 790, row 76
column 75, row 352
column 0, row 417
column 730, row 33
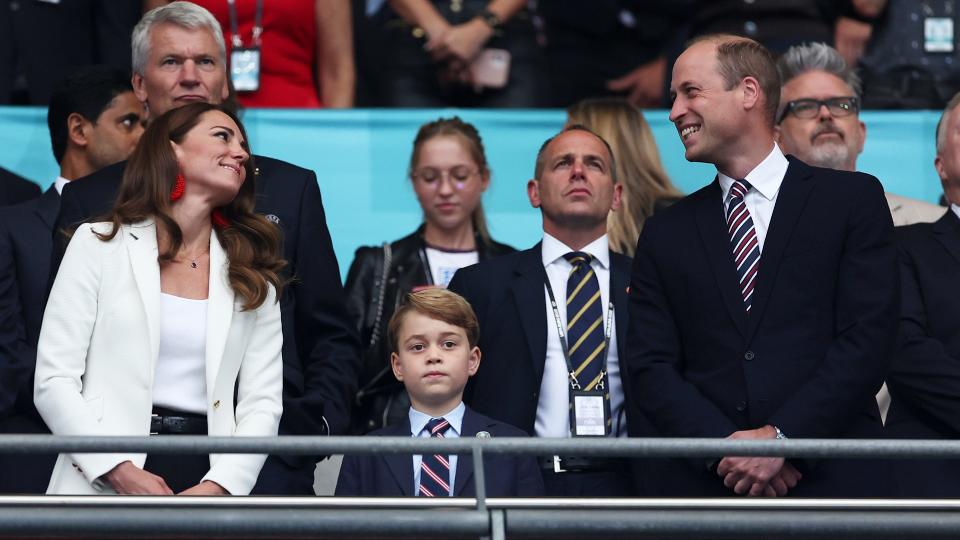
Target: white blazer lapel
column 219, row 310
column 141, row 241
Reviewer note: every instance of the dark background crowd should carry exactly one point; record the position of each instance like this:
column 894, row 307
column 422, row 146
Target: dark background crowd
column 507, row 53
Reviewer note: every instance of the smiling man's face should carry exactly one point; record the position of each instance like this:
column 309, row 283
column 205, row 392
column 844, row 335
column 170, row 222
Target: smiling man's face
column 824, row 140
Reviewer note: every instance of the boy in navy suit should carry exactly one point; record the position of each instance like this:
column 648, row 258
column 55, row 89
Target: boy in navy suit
column 434, row 338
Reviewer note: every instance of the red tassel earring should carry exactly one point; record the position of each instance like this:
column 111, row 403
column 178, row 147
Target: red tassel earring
column 178, row 186
column 219, row 220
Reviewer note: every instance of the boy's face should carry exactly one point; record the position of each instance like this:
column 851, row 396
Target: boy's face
column 434, row 361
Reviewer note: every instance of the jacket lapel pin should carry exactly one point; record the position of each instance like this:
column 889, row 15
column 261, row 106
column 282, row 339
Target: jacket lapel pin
column 272, row 218
column 483, row 434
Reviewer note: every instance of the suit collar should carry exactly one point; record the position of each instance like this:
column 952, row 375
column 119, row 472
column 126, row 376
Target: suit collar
column 712, row 226
column 947, row 231
column 527, row 287
column 400, row 465
column 794, row 192
column 48, row 206
column 619, row 281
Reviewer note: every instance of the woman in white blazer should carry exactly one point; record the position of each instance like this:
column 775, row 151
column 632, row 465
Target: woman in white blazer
column 158, row 313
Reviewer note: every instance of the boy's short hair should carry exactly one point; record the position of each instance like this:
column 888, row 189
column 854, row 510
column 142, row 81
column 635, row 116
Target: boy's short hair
column 439, row 304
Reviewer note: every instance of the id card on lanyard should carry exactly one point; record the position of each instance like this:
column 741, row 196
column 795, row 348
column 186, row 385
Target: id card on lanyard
column 245, row 61
column 589, row 409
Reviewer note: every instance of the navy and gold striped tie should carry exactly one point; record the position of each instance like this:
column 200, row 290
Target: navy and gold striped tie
column 584, row 321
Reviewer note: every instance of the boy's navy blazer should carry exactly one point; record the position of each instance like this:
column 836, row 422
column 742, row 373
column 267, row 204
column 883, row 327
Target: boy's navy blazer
column 391, row 475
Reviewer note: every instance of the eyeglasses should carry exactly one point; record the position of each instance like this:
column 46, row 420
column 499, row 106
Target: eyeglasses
column 810, row 108
column 458, row 176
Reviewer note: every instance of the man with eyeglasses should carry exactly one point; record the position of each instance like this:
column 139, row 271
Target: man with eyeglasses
column 818, row 120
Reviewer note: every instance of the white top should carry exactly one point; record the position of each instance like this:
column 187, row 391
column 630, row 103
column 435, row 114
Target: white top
column 418, row 428
column 179, row 380
column 765, row 179
column 59, row 183
column 553, row 409
column 443, row 264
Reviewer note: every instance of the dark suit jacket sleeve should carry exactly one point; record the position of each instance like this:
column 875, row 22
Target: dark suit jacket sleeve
column 655, row 355
column 16, row 355
column 71, row 214
column 323, row 326
column 866, row 307
column 923, row 372
column 460, row 284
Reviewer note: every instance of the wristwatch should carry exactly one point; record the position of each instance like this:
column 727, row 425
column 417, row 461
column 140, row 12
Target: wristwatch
column 490, row 18
column 780, row 434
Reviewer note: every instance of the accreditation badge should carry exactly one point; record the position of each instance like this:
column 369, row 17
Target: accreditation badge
column 245, row 68
column 589, row 412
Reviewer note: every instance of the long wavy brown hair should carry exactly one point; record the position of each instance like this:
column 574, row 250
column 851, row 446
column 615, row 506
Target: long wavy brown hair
column 252, row 243
column 639, row 169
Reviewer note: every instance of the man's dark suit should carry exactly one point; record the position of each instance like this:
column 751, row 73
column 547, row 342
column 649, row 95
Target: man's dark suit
column 809, row 357
column 25, row 244
column 14, row 189
column 924, row 379
column 391, row 475
column 507, row 294
column 320, row 347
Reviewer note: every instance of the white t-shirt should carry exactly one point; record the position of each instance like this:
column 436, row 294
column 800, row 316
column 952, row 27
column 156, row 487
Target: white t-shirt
column 180, row 379
column 443, row 264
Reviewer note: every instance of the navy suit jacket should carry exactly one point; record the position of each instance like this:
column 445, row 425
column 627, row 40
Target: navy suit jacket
column 25, row 243
column 320, row 347
column 924, row 380
column 15, row 189
column 812, row 353
column 391, row 475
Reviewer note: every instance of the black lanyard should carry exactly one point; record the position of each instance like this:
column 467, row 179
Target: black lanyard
column 257, row 25
column 571, row 372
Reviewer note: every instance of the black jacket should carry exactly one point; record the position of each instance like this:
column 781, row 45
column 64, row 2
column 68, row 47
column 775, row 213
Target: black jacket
column 408, row 270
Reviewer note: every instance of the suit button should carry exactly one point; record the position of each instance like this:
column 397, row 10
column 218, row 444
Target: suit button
column 216, row 404
column 742, row 406
column 748, row 356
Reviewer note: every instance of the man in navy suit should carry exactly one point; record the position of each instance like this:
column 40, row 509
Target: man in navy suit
column 763, row 305
column 434, row 341
column 95, row 121
column 179, row 57
column 924, row 379
column 529, row 377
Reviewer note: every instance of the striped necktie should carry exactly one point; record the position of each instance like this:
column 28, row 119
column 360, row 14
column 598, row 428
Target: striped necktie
column 584, row 321
column 743, row 240
column 435, row 468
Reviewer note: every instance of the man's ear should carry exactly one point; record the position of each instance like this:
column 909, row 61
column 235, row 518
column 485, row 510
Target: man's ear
column 533, row 193
column 78, row 130
column 139, row 87
column 751, row 92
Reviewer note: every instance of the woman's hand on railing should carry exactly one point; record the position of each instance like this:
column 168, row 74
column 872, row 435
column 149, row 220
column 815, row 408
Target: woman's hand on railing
column 128, row 479
column 207, row 487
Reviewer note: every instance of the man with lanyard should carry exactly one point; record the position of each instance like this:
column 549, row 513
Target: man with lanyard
column 552, row 318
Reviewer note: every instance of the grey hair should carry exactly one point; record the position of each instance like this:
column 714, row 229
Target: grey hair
column 800, row 59
column 942, row 123
column 184, row 14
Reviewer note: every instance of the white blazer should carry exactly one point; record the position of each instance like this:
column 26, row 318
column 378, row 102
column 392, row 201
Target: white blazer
column 99, row 344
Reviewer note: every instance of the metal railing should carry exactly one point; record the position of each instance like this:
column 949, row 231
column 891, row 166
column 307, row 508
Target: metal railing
column 310, row 517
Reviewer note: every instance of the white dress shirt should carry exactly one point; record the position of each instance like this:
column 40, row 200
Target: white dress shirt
column 765, row 179
column 955, row 209
column 59, row 183
column 553, row 408
column 418, row 428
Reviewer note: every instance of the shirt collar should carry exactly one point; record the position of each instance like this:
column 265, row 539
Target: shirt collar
column 955, row 209
column 418, row 420
column 765, row 177
column 59, row 183
column 553, row 249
